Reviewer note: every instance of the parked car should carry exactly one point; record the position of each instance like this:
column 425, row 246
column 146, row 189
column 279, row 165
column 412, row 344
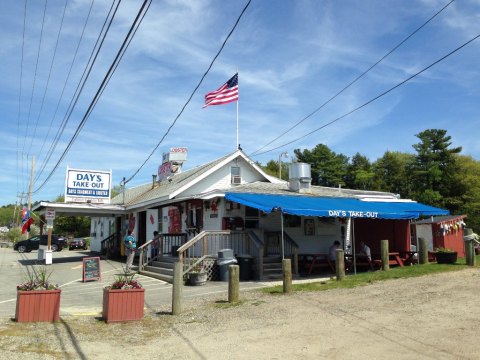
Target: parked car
column 35, row 241
column 78, row 243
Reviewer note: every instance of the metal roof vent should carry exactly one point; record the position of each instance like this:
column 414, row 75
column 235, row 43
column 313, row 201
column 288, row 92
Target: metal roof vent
column 299, row 177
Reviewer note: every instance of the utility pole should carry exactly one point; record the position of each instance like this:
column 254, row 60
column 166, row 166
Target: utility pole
column 30, row 190
column 17, row 220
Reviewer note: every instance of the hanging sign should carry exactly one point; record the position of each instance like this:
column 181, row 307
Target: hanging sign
column 50, row 214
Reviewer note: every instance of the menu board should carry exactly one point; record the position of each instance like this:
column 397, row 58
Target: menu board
column 91, row 269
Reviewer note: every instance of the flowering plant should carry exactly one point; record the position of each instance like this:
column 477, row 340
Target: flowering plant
column 125, row 281
column 198, row 268
column 444, row 250
column 37, row 279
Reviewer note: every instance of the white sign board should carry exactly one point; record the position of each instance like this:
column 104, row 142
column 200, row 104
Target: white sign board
column 50, row 214
column 88, row 186
column 178, row 154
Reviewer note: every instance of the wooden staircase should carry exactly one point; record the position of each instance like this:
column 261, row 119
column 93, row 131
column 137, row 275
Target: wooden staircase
column 272, row 267
column 161, row 269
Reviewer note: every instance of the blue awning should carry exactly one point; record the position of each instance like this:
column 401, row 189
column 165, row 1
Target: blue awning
column 335, row 207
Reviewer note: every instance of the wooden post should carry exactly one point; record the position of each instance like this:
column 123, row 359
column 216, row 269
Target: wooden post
column 287, row 275
column 384, row 255
column 470, row 253
column 295, row 261
column 177, row 288
column 340, row 264
column 140, row 259
column 233, row 283
column 260, row 263
column 422, row 251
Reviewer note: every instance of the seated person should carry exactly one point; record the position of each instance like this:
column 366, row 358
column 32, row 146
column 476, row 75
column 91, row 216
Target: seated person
column 332, row 251
column 365, row 251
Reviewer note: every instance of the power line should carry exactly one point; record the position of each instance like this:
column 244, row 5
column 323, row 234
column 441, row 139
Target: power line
column 20, row 93
column 48, row 82
column 35, row 75
column 354, row 80
column 138, row 19
column 375, row 98
column 86, row 72
column 191, row 95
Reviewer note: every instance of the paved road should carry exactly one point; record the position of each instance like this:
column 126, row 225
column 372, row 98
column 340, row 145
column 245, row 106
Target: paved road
column 79, row 298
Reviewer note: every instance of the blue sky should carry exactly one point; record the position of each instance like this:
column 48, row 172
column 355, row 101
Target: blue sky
column 292, row 56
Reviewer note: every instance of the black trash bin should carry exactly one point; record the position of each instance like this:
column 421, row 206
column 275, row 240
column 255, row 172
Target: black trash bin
column 245, row 262
column 225, row 259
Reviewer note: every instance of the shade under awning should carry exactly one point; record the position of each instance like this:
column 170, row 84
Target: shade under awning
column 335, row 207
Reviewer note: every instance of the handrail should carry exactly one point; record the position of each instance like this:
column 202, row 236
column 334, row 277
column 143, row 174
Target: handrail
column 289, row 239
column 199, row 236
column 146, row 244
column 255, row 238
column 187, row 270
column 108, row 238
column 191, row 242
column 106, row 244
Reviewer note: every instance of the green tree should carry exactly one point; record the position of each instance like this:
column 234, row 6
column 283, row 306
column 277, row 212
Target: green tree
column 392, row 173
column 468, row 178
column 359, row 173
column 14, row 234
column 328, row 168
column 76, row 226
column 435, row 168
column 6, row 215
column 272, row 169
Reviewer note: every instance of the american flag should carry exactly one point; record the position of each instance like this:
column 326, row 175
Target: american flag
column 228, row 92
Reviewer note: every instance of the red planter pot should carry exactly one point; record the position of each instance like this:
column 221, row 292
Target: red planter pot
column 38, row 305
column 123, row 305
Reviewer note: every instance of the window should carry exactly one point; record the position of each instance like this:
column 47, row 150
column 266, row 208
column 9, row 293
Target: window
column 292, row 220
column 235, row 174
column 251, row 217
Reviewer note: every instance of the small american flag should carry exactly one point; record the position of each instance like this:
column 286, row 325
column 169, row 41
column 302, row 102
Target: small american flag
column 227, row 93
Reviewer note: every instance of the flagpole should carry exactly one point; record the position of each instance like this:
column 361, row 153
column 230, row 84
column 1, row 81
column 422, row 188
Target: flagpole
column 238, row 141
column 238, row 145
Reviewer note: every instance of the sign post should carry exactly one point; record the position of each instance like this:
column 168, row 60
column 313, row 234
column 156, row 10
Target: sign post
column 49, row 216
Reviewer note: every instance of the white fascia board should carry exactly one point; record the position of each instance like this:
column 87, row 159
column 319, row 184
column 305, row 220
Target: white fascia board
column 227, row 160
column 210, row 195
column 205, row 175
column 84, row 209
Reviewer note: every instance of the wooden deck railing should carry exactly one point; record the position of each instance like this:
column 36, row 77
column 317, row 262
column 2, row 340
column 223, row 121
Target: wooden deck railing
column 273, row 246
column 209, row 243
column 165, row 244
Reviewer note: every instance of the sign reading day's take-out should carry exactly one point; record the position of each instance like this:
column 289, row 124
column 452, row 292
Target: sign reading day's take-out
column 88, row 186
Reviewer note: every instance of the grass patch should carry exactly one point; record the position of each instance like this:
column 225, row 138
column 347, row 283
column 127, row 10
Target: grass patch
column 226, row 305
column 366, row 278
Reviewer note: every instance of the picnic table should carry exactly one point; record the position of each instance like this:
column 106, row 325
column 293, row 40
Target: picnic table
column 309, row 262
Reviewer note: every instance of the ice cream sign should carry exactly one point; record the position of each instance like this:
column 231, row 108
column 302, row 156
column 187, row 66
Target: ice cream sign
column 88, row 186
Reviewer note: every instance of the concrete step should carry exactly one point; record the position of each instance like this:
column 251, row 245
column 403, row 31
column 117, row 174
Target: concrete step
column 159, row 270
column 163, row 264
column 156, row 275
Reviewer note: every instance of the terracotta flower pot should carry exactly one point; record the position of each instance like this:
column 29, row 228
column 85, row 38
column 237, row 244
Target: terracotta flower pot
column 123, row 305
column 38, row 305
column 446, row 257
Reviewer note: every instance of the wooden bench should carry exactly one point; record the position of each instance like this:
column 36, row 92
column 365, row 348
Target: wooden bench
column 362, row 261
column 309, row 262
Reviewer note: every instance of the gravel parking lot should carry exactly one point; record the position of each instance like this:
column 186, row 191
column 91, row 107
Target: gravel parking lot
column 429, row 317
